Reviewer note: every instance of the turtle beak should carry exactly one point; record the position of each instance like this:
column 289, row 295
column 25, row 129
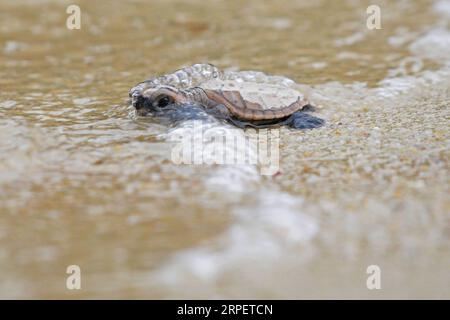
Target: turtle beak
column 138, row 102
column 141, row 104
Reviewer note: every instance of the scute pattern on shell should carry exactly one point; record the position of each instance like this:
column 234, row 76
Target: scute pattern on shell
column 268, row 96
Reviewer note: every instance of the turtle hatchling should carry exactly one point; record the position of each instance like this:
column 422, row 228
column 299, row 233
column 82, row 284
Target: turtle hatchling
column 244, row 99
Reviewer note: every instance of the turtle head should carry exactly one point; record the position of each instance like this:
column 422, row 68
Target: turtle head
column 168, row 104
column 157, row 100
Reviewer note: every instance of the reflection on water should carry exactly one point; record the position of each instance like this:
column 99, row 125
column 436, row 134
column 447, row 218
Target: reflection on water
column 84, row 182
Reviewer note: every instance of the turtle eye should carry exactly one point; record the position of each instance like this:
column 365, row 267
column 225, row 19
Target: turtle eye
column 164, row 101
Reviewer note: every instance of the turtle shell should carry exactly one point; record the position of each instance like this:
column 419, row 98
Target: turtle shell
column 250, row 100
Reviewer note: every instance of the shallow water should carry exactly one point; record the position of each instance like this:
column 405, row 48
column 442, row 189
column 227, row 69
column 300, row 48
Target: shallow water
column 84, row 182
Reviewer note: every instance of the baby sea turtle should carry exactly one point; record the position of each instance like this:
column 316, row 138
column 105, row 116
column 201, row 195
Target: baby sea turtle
column 243, row 100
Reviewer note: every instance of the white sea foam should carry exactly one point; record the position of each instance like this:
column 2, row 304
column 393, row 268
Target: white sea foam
column 390, row 87
column 8, row 104
column 263, row 232
column 442, row 7
column 434, row 45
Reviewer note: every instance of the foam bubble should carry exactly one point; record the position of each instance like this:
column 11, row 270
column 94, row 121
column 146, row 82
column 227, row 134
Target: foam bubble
column 434, row 45
column 442, row 7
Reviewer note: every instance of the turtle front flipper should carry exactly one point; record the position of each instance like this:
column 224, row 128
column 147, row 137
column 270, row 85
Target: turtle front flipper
column 303, row 120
